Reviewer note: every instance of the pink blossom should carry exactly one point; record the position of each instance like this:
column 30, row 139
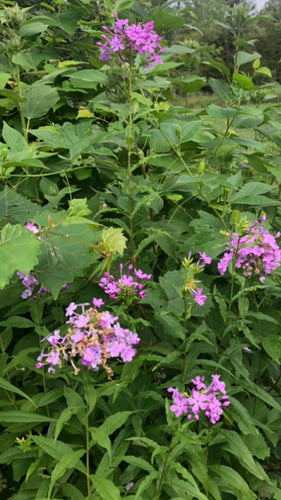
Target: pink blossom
column 198, row 297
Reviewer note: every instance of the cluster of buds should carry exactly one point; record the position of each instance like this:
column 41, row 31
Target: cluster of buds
column 92, row 338
column 256, row 252
column 209, row 400
column 191, row 269
column 128, row 286
column 127, row 40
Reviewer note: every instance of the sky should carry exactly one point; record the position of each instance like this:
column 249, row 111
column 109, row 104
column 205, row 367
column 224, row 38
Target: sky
column 260, row 3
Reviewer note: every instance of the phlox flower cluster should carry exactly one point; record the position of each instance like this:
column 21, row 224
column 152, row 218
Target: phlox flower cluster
column 256, row 253
column 191, row 269
column 92, row 338
column 127, row 40
column 210, row 400
column 30, row 282
column 130, row 284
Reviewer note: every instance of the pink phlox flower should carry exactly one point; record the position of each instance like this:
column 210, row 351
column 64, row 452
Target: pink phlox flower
column 53, row 358
column 70, row 309
column 32, row 227
column 124, row 40
column 107, row 320
column 54, row 339
column 204, row 258
column 198, row 297
column 77, row 336
column 139, row 274
column 199, row 383
column 97, row 303
column 81, row 321
column 92, row 357
column 179, row 405
column 208, row 400
column 256, row 252
column 127, row 281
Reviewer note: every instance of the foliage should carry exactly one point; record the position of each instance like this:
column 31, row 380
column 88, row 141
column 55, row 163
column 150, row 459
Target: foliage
column 171, row 217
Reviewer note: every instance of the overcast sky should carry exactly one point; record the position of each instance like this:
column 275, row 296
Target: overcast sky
column 260, row 3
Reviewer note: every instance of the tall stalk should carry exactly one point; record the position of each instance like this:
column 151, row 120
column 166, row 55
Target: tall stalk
column 129, row 140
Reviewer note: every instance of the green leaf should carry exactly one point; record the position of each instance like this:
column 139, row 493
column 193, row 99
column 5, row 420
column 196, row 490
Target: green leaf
column 100, row 437
column 31, row 28
column 121, row 5
column 114, row 240
column 71, row 491
column 105, row 488
column 139, row 463
column 15, row 207
column 88, row 78
column 230, row 481
column 245, row 58
column 64, row 417
column 235, row 445
column 113, row 422
column 4, row 77
column 220, row 87
column 272, row 346
column 190, row 83
column 145, row 483
column 66, row 251
column 243, row 81
column 243, row 418
column 78, row 207
column 7, row 386
column 18, row 322
column 14, row 139
column 56, row 449
column 39, row 100
column 68, row 461
column 22, row 417
column 218, row 112
column 263, row 70
column 19, row 251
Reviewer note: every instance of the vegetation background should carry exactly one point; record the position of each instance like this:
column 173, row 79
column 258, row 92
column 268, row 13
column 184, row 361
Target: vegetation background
column 149, row 169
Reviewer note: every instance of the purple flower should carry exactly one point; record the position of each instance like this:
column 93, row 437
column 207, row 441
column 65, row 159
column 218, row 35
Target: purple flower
column 127, row 40
column 198, row 297
column 70, row 309
column 98, row 303
column 204, row 258
column 129, row 485
column 107, row 320
column 127, row 286
column 208, row 400
column 93, row 337
column 256, row 252
column 32, row 227
column 180, row 403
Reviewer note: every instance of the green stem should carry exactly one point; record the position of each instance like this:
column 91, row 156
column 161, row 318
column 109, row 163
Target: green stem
column 87, row 446
column 20, row 107
column 129, row 161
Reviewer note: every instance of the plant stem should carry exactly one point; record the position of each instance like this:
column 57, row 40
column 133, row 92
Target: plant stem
column 87, row 446
column 20, row 108
column 129, row 161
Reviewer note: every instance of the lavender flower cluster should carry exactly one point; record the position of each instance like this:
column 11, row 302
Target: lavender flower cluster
column 209, row 399
column 127, row 40
column 30, row 282
column 92, row 336
column 256, row 252
column 128, row 285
